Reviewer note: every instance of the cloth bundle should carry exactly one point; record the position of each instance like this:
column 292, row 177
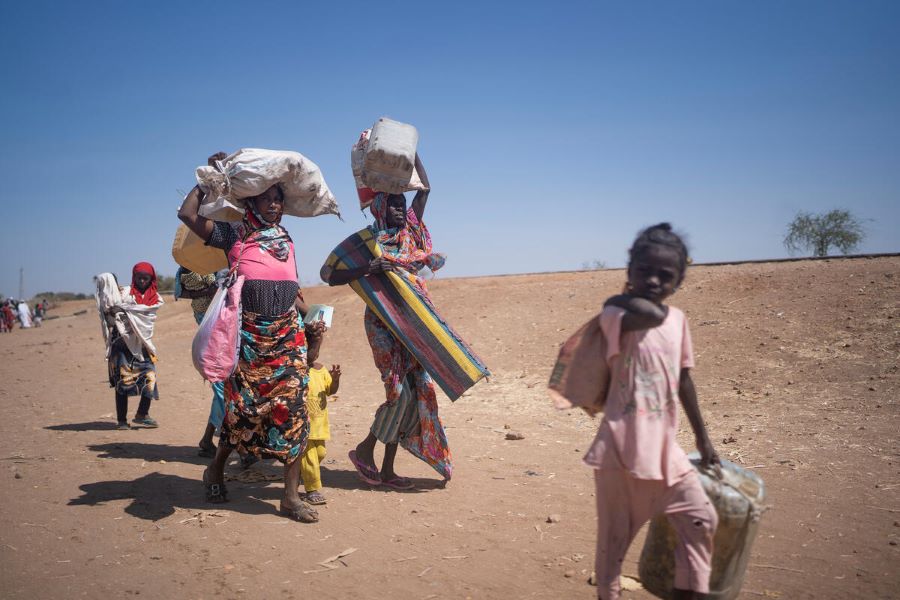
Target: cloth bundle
column 580, row 377
column 135, row 325
column 383, row 159
column 251, row 171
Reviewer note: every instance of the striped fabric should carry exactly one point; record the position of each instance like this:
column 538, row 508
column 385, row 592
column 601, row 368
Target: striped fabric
column 402, row 415
column 411, row 318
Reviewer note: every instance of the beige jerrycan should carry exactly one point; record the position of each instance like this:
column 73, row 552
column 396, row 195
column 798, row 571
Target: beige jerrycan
column 390, row 156
column 193, row 254
column 738, row 497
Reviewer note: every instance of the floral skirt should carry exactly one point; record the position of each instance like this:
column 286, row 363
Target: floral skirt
column 265, row 398
column 410, row 413
column 131, row 376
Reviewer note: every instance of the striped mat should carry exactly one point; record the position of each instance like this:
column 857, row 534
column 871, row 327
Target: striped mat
column 428, row 337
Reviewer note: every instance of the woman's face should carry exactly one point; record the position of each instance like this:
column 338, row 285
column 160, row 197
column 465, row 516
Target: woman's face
column 269, row 204
column 396, row 211
column 142, row 281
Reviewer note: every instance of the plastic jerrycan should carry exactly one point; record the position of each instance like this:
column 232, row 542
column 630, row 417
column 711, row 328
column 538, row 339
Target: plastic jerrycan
column 738, row 498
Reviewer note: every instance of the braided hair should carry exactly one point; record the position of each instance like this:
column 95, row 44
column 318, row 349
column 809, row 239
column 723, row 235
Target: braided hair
column 661, row 235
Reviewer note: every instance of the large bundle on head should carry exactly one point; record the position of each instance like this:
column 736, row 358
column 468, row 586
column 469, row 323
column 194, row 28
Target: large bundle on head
column 251, row 171
column 384, row 160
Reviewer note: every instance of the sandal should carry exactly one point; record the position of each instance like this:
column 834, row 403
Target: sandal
column 367, row 473
column 216, row 493
column 146, row 421
column 303, row 512
column 315, row 498
column 399, row 483
column 248, row 460
column 207, row 451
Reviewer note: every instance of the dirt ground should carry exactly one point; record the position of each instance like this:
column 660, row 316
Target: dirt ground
column 797, row 373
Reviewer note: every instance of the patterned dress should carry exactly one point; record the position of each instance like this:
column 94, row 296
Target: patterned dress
column 410, row 413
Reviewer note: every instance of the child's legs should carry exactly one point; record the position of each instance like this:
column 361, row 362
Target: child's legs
column 121, row 407
column 309, row 465
column 694, row 519
column 623, row 505
column 143, row 408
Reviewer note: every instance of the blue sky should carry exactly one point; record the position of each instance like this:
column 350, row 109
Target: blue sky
column 552, row 131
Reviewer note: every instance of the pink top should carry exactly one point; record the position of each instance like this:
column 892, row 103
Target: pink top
column 641, row 413
column 257, row 263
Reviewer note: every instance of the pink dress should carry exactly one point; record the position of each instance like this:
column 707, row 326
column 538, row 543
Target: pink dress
column 641, row 470
column 641, row 413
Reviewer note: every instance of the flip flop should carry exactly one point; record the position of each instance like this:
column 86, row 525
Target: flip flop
column 315, row 498
column 399, row 483
column 302, row 512
column 367, row 473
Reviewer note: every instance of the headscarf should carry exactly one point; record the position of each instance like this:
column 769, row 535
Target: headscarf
column 271, row 237
column 408, row 246
column 149, row 296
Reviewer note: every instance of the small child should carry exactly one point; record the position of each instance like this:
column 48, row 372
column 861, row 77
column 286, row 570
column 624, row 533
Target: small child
column 322, row 383
column 641, row 471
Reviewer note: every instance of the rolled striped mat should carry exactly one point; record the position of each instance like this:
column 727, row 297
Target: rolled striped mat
column 411, row 318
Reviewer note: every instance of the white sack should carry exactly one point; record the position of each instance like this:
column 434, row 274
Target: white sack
column 251, row 171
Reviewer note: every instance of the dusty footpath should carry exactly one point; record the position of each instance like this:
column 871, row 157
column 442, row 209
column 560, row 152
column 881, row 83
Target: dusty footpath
column 797, row 370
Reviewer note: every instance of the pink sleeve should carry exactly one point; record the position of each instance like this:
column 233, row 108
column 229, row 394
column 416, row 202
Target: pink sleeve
column 687, row 348
column 611, row 326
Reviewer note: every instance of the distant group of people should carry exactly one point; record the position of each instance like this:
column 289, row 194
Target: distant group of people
column 274, row 405
column 17, row 311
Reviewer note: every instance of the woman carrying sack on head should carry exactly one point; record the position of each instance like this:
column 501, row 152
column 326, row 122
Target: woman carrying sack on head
column 127, row 317
column 265, row 397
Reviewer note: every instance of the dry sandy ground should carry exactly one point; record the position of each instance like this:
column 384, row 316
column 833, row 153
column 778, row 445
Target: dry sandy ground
column 798, row 378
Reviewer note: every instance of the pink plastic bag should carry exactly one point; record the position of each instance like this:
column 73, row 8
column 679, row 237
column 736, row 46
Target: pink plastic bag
column 215, row 346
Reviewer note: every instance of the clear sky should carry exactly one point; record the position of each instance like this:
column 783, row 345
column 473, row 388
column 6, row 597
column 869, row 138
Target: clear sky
column 552, row 131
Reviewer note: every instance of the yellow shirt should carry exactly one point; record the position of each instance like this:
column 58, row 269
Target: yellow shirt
column 317, row 403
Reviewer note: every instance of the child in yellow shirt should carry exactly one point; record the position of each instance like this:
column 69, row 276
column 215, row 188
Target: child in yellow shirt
column 322, row 383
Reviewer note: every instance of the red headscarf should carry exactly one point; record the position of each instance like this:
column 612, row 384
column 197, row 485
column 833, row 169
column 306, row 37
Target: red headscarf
column 148, row 296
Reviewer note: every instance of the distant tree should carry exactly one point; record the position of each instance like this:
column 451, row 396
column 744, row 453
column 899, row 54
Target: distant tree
column 593, row 265
column 818, row 233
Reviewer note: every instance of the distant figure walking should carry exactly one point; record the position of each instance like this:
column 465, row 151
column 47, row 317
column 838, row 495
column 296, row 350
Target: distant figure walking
column 24, row 315
column 127, row 317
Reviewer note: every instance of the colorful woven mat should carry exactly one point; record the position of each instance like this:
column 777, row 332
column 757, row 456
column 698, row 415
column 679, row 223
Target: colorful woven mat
column 411, row 318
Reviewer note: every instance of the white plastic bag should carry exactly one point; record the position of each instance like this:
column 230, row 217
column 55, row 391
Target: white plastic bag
column 251, row 171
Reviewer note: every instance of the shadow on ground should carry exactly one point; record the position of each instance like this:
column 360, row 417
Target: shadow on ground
column 87, row 426
column 156, row 496
column 149, row 452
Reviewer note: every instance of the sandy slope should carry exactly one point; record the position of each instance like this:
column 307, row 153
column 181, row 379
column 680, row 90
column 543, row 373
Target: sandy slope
column 797, row 370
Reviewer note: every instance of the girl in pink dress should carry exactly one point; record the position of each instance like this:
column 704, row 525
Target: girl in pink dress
column 640, row 470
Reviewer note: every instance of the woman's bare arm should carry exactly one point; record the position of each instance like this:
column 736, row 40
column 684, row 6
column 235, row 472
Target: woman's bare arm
column 189, row 213
column 421, row 199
